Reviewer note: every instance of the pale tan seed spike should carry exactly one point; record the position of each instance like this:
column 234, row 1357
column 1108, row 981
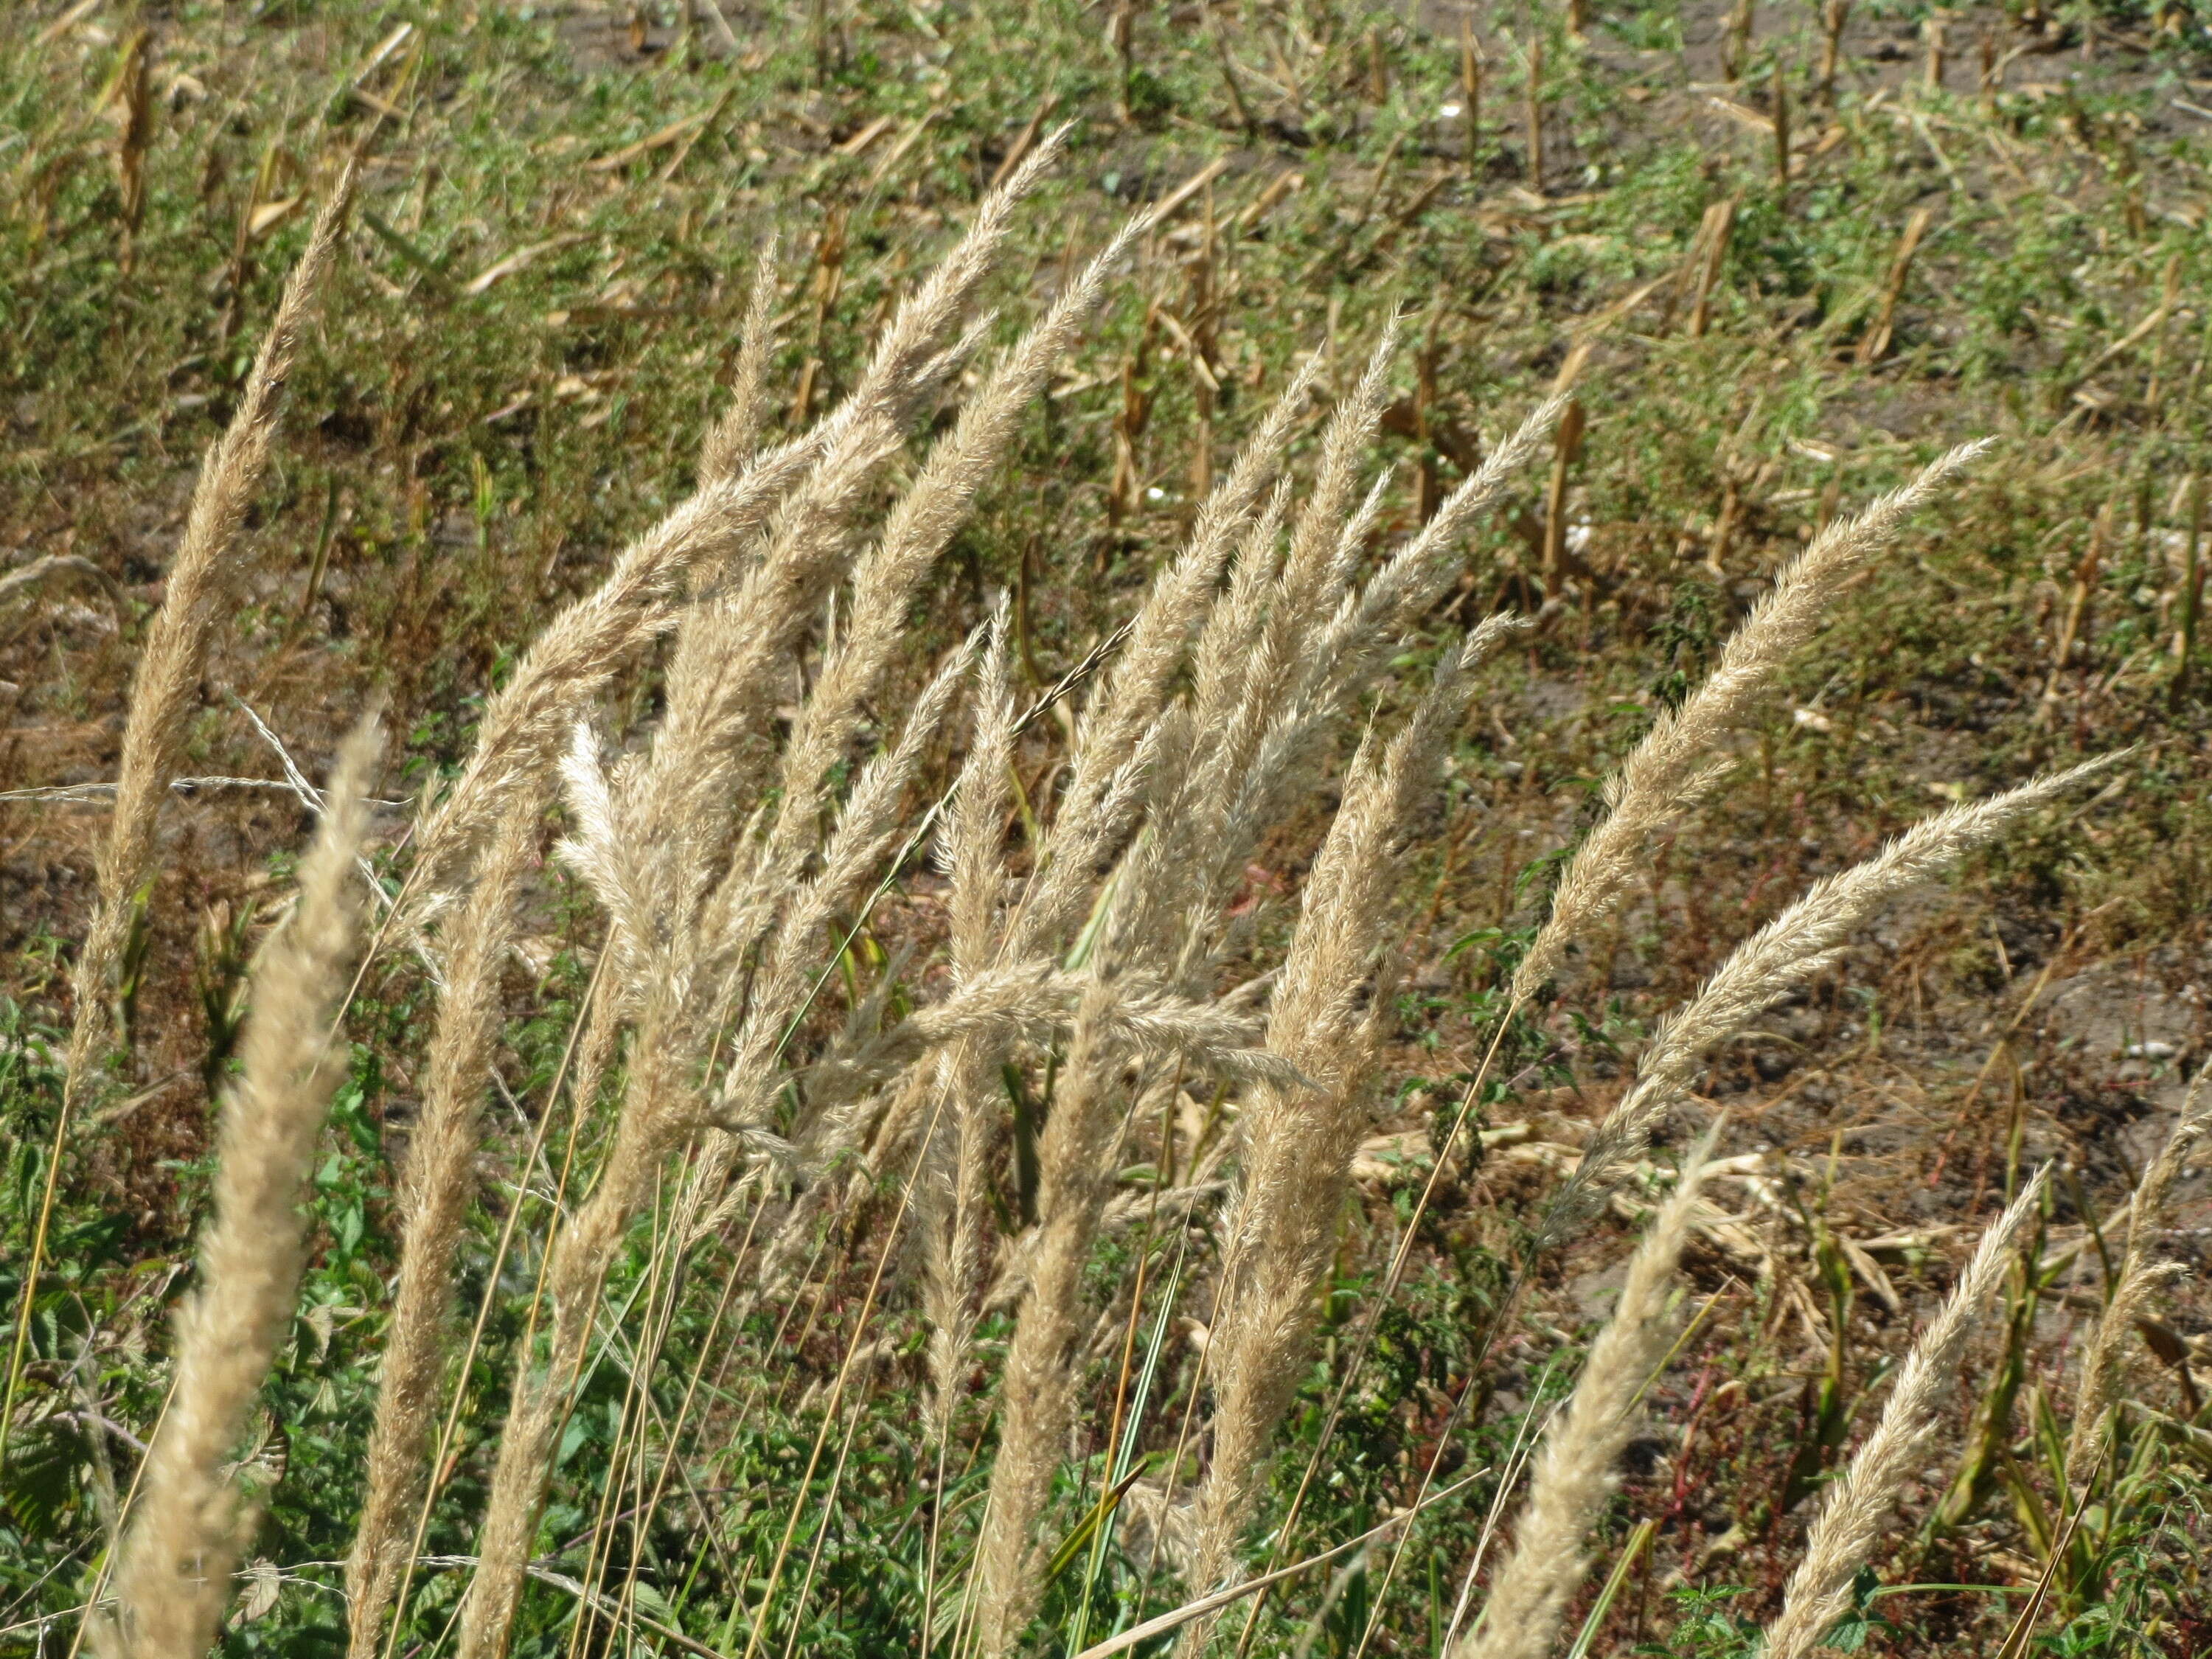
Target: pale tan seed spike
column 1038, row 1399
column 2139, row 1278
column 1774, row 960
column 735, row 434
column 1856, row 1509
column 1410, row 580
column 1134, row 685
column 1169, row 869
column 1340, row 656
column 1031, row 1002
column 202, row 577
column 1037, row 1384
column 677, row 802
column 679, row 1013
column 739, row 912
column 1304, row 593
column 920, row 526
column 1273, row 742
column 1279, row 1227
column 1346, row 444
column 866, row 826
column 1334, row 659
column 1577, row 1470
column 437, row 1183
column 1136, row 689
column 1679, row 758
column 957, row 1235
column 527, row 723
column 191, row 1523
column 975, row 822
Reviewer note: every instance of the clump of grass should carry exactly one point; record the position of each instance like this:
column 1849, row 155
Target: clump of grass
column 1279, row 1229
column 1101, row 964
column 438, row 1182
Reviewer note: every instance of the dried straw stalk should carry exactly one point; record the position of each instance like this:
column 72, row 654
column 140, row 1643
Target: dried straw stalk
column 1299, row 1143
column 203, row 576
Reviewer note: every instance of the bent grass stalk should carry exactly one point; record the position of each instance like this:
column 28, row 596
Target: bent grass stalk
column 1853, row 1514
column 203, row 576
column 488, row 1301
column 1677, row 762
column 1577, row 1471
column 436, row 1187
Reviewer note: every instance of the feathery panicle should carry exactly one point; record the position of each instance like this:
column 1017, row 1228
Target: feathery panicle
column 1231, row 644
column 1773, row 962
column 976, row 821
column 974, row 836
column 1678, row 759
column 1135, row 686
column 1578, row 1471
column 735, row 434
column 1074, row 1155
column 1122, row 724
column 1175, row 863
column 1310, row 573
column 594, row 849
column 1037, row 1386
column 929, row 312
column 1299, row 1143
column 1410, row 580
column 1857, row 1507
column 202, row 576
column 1035, row 1003
column 528, row 722
column 866, row 825
column 1326, row 662
column 1313, row 573
column 1351, row 540
column 957, row 1235
column 676, row 801
column 193, row 1523
column 916, row 532
column 2103, row 1360
column 526, row 725
column 1271, row 743
column 664, row 1105
column 436, row 1186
